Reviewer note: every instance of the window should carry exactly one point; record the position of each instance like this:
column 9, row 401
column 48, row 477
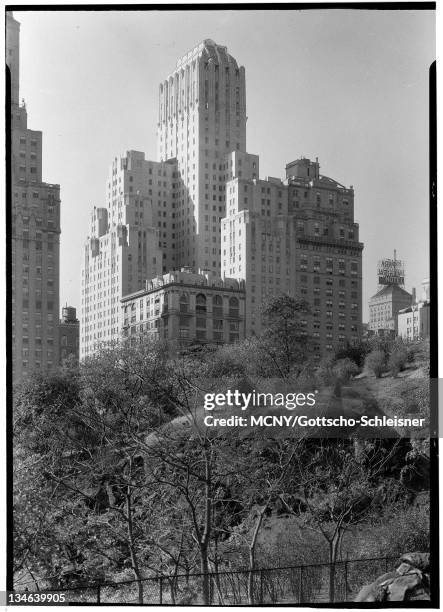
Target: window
column 233, row 307
column 184, row 303
column 200, row 304
column 217, row 306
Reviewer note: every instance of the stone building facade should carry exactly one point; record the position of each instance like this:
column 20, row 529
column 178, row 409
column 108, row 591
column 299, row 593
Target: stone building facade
column 414, row 322
column 187, row 308
column 35, row 236
column 384, row 307
column 297, row 236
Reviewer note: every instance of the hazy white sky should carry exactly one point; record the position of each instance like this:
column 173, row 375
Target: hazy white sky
column 348, row 86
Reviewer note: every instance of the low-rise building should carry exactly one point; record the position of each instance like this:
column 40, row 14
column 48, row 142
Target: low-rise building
column 414, row 322
column 384, row 307
column 184, row 308
column 426, row 290
column 68, row 334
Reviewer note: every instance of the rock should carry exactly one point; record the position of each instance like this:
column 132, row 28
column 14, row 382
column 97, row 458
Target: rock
column 418, row 560
column 409, row 582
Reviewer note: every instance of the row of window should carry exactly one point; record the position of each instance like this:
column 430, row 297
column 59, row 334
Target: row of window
column 36, row 365
column 32, row 141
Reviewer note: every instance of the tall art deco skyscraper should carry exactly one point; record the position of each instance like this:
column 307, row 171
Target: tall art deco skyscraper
column 202, row 119
column 35, row 230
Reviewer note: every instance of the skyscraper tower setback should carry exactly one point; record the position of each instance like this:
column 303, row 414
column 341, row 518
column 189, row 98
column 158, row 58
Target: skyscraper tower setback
column 202, row 117
column 35, row 231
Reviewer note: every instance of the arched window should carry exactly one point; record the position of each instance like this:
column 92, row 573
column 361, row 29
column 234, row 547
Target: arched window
column 200, row 304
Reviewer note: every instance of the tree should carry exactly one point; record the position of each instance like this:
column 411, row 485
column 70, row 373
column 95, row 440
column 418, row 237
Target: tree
column 194, row 470
column 397, row 360
column 338, row 488
column 116, row 473
column 263, row 487
column 356, row 351
column 84, row 429
column 284, row 340
column 376, row 362
column 344, row 369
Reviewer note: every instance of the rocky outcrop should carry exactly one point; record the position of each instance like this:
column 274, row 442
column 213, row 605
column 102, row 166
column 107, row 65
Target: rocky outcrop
column 409, row 582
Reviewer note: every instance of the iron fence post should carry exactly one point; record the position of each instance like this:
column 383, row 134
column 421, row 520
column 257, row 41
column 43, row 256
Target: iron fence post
column 98, row 593
column 346, row 580
column 301, row 584
column 261, row 587
column 161, row 590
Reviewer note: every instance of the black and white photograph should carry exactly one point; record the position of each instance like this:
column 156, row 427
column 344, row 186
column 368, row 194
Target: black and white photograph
column 221, row 292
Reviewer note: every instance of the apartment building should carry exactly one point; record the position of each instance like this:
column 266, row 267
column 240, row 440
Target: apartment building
column 414, row 321
column 297, row 236
column 184, row 308
column 35, row 235
column 130, row 240
column 384, row 307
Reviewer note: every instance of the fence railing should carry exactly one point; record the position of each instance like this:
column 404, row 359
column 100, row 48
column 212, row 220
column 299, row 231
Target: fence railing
column 301, row 584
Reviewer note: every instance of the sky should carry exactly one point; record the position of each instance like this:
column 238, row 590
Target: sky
column 347, row 86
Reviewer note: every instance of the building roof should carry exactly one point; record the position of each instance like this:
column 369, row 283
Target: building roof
column 418, row 306
column 211, row 51
column 204, row 280
column 390, row 289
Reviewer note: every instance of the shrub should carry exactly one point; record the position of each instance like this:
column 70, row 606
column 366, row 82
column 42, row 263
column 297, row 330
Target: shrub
column 344, row 369
column 306, row 378
column 356, row 351
column 397, row 360
column 411, row 354
column 324, row 372
column 376, row 362
column 400, row 529
column 380, row 343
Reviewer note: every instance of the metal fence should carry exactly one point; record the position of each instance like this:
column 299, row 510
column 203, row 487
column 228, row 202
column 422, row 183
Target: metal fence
column 302, row 584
